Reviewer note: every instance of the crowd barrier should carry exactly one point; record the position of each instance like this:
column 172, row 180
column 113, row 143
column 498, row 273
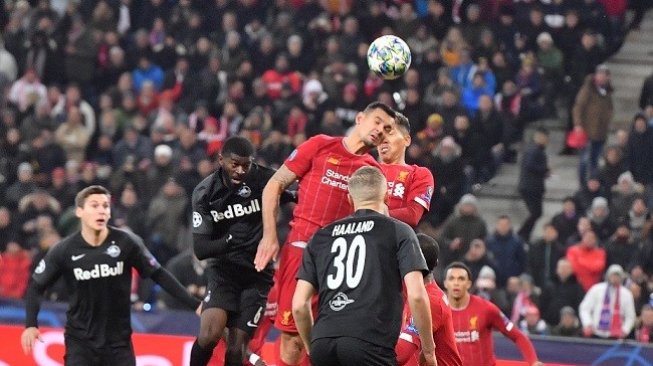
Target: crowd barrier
column 165, row 338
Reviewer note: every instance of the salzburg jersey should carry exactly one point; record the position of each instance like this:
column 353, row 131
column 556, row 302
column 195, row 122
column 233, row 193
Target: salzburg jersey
column 473, row 332
column 407, row 183
column 443, row 333
column 323, row 166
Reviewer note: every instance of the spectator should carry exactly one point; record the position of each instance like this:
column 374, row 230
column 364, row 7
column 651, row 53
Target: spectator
column 608, row 310
column 508, row 251
column 534, row 170
column 129, row 213
column 565, row 222
column 527, row 295
column 73, row 98
column 563, row 291
column 24, row 186
column 486, row 287
column 644, row 330
column 27, row 91
column 447, row 166
column 275, row 78
column 543, row 256
column 490, row 124
column 623, row 195
column 532, row 324
column 477, row 258
column 569, row 325
column 613, row 167
column 73, row 136
column 461, row 228
column 587, row 260
column 472, row 92
column 621, row 249
column 160, row 172
column 80, row 52
column 147, row 71
column 602, row 222
column 588, row 192
column 639, row 220
column 8, row 231
column 14, row 271
column 132, row 144
column 639, row 152
column 592, row 113
column 190, row 272
column 165, row 219
column 551, row 60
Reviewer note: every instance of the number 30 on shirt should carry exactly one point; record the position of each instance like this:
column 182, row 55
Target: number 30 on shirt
column 349, row 262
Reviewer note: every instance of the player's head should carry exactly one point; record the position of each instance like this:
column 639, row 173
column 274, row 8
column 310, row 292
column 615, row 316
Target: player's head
column 373, row 123
column 430, row 249
column 367, row 186
column 393, row 148
column 457, row 280
column 93, row 207
column 236, row 159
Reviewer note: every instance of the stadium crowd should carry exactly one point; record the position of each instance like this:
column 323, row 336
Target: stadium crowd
column 139, row 96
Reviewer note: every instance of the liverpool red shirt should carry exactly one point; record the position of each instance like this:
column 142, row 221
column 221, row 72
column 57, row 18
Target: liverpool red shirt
column 473, row 332
column 443, row 333
column 409, row 187
column 323, row 166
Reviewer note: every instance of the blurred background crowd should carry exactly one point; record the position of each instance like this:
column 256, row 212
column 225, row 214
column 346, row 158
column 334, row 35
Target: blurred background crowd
column 139, row 96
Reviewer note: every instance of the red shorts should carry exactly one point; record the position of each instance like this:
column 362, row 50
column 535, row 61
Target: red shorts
column 286, row 280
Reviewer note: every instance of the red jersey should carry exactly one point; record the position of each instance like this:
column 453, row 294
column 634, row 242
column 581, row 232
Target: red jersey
column 409, row 187
column 473, row 331
column 323, row 166
column 443, row 333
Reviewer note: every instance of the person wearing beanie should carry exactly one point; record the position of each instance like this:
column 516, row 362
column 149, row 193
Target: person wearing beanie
column 461, row 228
column 608, row 309
column 602, row 222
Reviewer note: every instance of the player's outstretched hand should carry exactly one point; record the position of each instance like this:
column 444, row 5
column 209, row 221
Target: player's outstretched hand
column 27, row 339
column 267, row 250
column 429, row 359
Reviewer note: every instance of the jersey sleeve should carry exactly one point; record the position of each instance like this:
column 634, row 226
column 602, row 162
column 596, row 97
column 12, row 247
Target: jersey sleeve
column 50, row 267
column 421, row 189
column 308, row 271
column 142, row 259
column 409, row 255
column 301, row 159
column 202, row 220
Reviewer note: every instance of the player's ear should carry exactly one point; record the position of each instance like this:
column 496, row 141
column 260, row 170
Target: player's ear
column 407, row 140
column 350, row 200
column 78, row 212
column 359, row 117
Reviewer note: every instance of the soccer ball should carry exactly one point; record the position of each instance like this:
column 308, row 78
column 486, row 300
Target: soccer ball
column 389, row 57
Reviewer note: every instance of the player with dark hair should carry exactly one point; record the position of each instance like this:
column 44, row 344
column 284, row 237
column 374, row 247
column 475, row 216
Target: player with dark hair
column 410, row 187
column 408, row 345
column 323, row 165
column 227, row 227
column 357, row 265
column 96, row 264
column 474, row 318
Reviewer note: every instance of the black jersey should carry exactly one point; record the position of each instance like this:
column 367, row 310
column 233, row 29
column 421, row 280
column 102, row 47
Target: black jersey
column 99, row 283
column 221, row 210
column 357, row 265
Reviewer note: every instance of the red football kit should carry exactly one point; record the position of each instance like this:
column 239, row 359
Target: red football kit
column 410, row 188
column 323, row 166
column 473, row 332
column 409, row 344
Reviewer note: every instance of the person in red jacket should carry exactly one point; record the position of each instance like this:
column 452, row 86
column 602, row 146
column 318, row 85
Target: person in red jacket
column 587, row 260
column 474, row 319
column 14, row 271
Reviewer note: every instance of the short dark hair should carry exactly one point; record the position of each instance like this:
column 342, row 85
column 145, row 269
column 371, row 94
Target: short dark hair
column 81, row 197
column 569, row 199
column 460, row 265
column 382, row 106
column 238, row 146
column 430, row 249
column 542, row 130
column 403, row 123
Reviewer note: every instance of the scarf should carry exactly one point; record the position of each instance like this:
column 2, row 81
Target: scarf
column 610, row 320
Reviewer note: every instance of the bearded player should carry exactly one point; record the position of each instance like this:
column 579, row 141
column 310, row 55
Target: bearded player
column 408, row 347
column 410, row 187
column 474, row 318
column 322, row 165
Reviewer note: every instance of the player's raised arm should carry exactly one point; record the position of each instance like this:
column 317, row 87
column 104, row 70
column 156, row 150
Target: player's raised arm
column 269, row 245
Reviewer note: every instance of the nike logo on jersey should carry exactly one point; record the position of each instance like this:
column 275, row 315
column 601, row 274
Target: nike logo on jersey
column 77, row 257
column 252, row 325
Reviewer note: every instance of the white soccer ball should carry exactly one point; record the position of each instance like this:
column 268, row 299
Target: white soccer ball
column 389, row 57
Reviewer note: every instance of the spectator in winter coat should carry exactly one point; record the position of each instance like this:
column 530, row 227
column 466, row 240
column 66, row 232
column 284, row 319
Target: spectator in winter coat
column 543, row 256
column 563, row 291
column 587, row 260
column 508, row 251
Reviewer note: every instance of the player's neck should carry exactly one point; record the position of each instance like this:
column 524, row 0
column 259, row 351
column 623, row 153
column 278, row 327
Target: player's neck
column 355, row 145
column 459, row 304
column 374, row 206
column 94, row 238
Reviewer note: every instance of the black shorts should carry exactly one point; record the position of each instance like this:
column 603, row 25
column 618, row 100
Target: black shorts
column 79, row 353
column 243, row 297
column 346, row 351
